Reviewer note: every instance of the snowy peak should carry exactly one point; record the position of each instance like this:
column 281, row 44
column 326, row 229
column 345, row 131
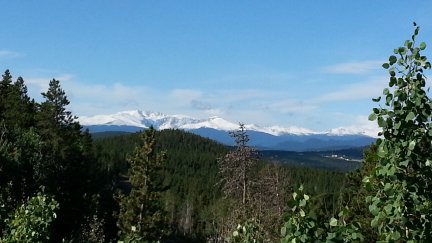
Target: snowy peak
column 146, row 119
column 140, row 119
column 135, row 118
column 127, row 118
column 212, row 122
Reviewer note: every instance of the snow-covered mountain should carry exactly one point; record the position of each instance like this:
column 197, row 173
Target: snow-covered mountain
column 273, row 137
column 140, row 119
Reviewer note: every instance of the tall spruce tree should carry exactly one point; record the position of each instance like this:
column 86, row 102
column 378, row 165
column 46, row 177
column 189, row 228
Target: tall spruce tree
column 58, row 129
column 19, row 109
column 142, row 216
column 5, row 83
column 65, row 172
column 54, row 119
column 16, row 109
column 22, row 108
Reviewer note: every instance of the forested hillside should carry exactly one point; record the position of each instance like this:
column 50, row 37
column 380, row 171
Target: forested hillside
column 195, row 204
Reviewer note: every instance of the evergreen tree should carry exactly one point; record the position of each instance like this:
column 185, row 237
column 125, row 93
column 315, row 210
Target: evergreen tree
column 22, row 109
column 55, row 104
column 142, row 215
column 5, row 85
column 55, row 122
column 16, row 109
column 67, row 159
column 51, row 152
column 60, row 132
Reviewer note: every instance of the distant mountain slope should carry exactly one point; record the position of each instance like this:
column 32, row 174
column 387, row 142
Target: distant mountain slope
column 112, row 128
column 314, row 142
column 316, row 160
column 216, row 128
column 107, row 134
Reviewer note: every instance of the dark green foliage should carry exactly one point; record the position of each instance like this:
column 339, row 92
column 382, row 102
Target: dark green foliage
column 354, row 193
column 5, row 91
column 53, row 109
column 20, row 157
column 102, row 135
column 189, row 173
column 324, row 185
column 42, row 145
column 67, row 159
column 16, row 108
column 20, row 145
column 303, row 225
column 142, row 216
column 317, row 160
column 56, row 124
column 194, row 205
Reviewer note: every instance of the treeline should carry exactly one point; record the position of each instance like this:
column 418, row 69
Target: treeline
column 58, row 184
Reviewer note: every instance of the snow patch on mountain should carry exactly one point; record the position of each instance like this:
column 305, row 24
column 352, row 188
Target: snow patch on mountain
column 212, row 122
column 127, row 118
column 278, row 130
column 369, row 131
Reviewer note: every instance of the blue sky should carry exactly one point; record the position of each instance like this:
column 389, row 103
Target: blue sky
column 314, row 64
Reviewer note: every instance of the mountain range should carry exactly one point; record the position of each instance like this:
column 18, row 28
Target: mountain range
column 291, row 138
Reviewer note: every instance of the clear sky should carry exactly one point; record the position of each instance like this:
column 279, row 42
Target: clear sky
column 314, row 64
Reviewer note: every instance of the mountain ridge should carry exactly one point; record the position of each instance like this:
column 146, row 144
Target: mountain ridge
column 160, row 121
column 216, row 128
